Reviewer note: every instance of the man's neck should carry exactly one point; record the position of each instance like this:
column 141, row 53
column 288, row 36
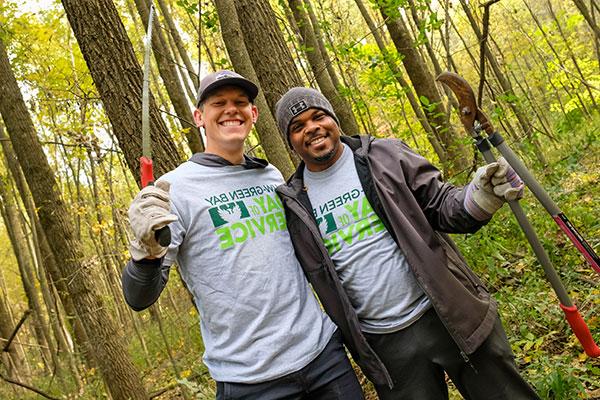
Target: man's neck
column 234, row 157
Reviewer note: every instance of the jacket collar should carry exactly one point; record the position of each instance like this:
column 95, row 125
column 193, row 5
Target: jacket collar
column 213, row 160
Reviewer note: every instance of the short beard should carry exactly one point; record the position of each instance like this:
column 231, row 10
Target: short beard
column 328, row 156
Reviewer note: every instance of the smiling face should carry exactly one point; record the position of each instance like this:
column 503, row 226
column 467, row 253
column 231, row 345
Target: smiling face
column 227, row 116
column 315, row 136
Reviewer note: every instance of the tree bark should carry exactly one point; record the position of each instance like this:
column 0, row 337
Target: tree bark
column 118, row 77
column 120, row 376
column 268, row 132
column 270, row 55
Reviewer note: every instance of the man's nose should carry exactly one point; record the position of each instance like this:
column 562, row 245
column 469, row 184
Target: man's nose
column 230, row 107
column 310, row 127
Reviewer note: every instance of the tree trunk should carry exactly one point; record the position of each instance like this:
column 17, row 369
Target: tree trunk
column 342, row 108
column 424, row 84
column 11, row 358
column 269, row 53
column 414, row 103
column 432, row 56
column 20, row 246
column 118, row 77
column 46, row 262
column 168, row 73
column 178, row 41
column 319, row 37
column 120, row 376
column 588, row 16
column 268, row 132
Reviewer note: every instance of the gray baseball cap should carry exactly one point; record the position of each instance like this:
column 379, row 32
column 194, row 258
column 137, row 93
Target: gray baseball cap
column 224, row 78
column 295, row 102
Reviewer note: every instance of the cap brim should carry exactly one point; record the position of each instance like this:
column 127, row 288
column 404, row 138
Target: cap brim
column 250, row 88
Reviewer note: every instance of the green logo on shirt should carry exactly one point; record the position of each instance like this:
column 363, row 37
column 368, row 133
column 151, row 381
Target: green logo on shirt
column 258, row 214
column 351, row 219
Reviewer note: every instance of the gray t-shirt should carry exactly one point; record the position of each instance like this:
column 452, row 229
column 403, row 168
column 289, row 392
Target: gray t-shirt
column 372, row 268
column 258, row 316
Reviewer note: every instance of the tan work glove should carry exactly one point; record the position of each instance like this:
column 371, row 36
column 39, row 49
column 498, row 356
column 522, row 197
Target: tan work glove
column 492, row 185
column 149, row 211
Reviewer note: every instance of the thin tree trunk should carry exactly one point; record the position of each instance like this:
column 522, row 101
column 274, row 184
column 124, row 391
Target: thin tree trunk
column 506, row 87
column 12, row 359
column 269, row 53
column 270, row 138
column 319, row 37
column 19, row 240
column 588, row 16
column 168, row 73
column 432, row 56
column 164, row 9
column 342, row 108
column 46, row 263
column 571, row 54
column 406, row 88
column 120, row 376
column 424, row 84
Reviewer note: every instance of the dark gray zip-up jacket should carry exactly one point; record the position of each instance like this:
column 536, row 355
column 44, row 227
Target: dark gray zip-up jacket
column 416, row 207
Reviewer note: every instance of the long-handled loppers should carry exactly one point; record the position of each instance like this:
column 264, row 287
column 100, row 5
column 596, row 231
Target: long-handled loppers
column 476, row 122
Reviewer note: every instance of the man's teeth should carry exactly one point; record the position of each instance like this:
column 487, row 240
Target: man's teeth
column 316, row 141
column 231, row 123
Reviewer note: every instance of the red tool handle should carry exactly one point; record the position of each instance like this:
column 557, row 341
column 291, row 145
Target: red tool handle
column 146, row 171
column 581, row 330
column 162, row 235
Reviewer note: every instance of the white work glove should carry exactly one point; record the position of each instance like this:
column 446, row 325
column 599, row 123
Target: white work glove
column 492, row 185
column 149, row 211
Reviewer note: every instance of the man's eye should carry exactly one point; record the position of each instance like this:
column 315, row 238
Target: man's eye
column 319, row 116
column 295, row 128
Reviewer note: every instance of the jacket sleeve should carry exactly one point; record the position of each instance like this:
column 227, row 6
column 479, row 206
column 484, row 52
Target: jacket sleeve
column 441, row 202
column 143, row 281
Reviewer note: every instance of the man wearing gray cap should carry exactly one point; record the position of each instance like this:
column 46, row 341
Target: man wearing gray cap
column 264, row 333
column 366, row 218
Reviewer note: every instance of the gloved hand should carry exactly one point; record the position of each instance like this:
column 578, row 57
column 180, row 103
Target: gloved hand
column 148, row 212
column 492, row 185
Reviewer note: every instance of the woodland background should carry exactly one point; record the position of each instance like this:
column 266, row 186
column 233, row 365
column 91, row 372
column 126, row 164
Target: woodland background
column 70, row 101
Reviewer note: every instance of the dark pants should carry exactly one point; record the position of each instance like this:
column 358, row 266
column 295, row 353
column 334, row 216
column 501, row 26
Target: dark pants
column 417, row 357
column 328, row 377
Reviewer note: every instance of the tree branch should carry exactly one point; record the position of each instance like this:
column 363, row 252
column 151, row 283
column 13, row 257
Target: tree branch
column 24, row 385
column 12, row 336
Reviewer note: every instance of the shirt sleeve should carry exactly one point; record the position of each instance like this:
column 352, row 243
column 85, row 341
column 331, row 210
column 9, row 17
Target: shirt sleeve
column 143, row 281
column 441, row 202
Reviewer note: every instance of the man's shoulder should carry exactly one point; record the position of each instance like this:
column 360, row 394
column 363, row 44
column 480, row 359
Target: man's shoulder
column 175, row 174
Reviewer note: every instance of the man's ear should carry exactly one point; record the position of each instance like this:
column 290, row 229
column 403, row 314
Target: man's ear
column 198, row 118
column 254, row 114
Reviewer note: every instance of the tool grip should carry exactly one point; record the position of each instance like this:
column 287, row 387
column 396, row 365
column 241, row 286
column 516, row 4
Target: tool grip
column 162, row 235
column 581, row 330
